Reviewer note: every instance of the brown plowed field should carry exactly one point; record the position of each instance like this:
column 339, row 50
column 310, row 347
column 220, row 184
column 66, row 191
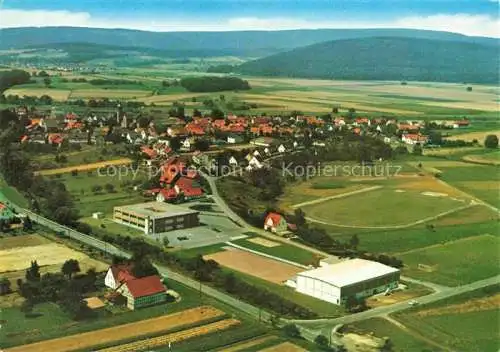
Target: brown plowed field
column 86, row 341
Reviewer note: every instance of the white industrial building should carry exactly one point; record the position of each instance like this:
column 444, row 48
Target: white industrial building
column 358, row 278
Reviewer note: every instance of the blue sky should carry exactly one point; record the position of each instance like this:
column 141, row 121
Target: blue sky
column 472, row 17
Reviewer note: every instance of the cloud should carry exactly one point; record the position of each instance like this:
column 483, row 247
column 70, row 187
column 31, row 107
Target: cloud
column 40, row 18
column 477, row 25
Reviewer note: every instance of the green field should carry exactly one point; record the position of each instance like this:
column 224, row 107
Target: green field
column 399, row 208
column 285, row 251
column 480, row 181
column 400, row 340
column 463, row 323
column 455, row 263
column 88, row 202
column 403, row 240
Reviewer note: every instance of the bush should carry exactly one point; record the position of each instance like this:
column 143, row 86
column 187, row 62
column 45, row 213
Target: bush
column 291, row 330
column 491, row 141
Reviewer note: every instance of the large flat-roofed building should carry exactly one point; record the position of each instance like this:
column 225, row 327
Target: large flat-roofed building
column 156, row 217
column 358, row 278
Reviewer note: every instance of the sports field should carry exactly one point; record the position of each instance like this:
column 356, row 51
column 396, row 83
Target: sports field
column 253, row 264
column 454, row 263
column 467, row 322
column 401, row 207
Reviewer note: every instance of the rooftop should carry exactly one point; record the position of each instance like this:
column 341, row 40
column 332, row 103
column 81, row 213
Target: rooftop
column 156, row 210
column 349, row 272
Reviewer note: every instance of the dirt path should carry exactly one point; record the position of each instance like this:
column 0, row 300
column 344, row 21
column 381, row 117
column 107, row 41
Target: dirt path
column 85, row 167
column 418, row 222
column 417, row 335
column 343, row 195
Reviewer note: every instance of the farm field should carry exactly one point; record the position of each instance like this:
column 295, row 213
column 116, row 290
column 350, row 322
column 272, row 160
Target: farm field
column 284, row 347
column 253, row 264
column 86, row 167
column 17, row 253
column 279, row 249
column 454, row 263
column 491, row 158
column 401, row 340
column 176, row 337
column 468, row 322
column 122, row 332
column 479, row 136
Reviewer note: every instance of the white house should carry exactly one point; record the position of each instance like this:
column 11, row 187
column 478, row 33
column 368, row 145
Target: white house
column 356, row 278
column 413, row 139
column 267, row 151
column 233, row 161
column 295, row 144
column 186, row 144
column 281, row 148
column 254, row 163
column 256, row 153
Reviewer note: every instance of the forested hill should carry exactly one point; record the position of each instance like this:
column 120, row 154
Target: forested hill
column 245, row 41
column 384, row 58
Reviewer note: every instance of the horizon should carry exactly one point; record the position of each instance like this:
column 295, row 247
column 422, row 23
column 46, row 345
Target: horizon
column 466, row 17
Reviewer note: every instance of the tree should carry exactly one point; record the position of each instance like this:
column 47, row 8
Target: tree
column 217, row 113
column 143, row 267
column 175, row 143
column 230, row 284
column 202, row 145
column 354, row 241
column 47, row 81
column 109, row 188
column 70, row 267
column 491, row 141
column 291, row 330
column 27, row 224
column 299, row 217
column 417, row 149
column 469, row 89
column 33, row 272
column 166, row 242
column 27, row 307
column 435, row 138
column 321, row 341
column 4, row 286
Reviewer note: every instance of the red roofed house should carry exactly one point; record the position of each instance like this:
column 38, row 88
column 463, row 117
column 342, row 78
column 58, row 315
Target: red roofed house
column 414, row 139
column 139, row 292
column 275, row 223
column 195, row 129
column 55, row 138
column 461, row 123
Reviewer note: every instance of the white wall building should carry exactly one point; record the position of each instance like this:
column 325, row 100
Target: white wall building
column 356, row 277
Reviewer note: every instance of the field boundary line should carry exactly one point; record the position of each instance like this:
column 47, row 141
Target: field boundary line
column 404, row 226
column 342, row 195
column 416, row 334
column 269, row 256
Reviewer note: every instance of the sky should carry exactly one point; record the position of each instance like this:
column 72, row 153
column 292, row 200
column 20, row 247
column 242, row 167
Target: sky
column 469, row 17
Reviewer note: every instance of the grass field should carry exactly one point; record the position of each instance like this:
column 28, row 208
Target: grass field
column 401, row 340
column 282, row 250
column 403, row 240
column 400, row 208
column 455, row 263
column 464, row 323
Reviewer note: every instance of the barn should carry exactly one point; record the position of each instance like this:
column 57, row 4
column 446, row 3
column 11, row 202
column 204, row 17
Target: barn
column 357, row 278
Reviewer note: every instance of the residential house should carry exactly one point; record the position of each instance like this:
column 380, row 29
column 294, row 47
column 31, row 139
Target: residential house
column 234, row 138
column 461, row 123
column 412, row 139
column 233, row 162
column 264, row 142
column 281, row 149
column 275, row 222
column 139, row 292
column 254, row 163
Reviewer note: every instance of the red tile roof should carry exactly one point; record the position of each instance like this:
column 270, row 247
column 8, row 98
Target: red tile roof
column 145, row 286
column 275, row 218
column 122, row 272
column 192, row 192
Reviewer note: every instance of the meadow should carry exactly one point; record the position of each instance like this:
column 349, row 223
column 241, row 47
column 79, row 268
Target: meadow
column 401, row 340
column 468, row 322
column 454, row 263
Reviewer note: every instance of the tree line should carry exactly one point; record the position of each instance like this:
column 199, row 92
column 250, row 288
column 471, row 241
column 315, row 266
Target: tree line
column 214, row 84
column 11, row 78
